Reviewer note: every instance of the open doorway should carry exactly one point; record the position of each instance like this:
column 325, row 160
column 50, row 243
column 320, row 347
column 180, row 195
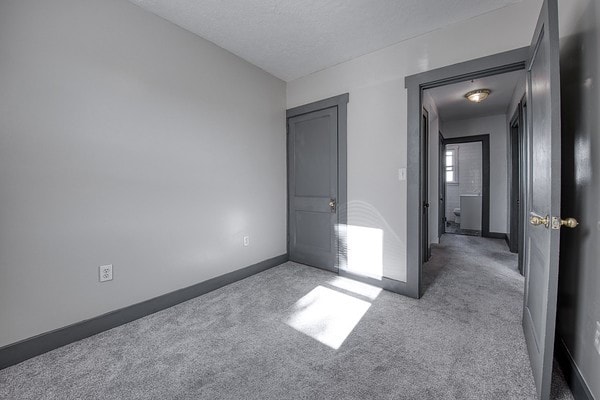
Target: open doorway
column 466, row 180
column 474, row 170
column 474, row 161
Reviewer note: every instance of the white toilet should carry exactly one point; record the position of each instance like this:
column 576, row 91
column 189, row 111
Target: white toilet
column 456, row 212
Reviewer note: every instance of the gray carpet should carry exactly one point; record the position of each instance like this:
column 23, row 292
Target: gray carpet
column 453, row 227
column 274, row 336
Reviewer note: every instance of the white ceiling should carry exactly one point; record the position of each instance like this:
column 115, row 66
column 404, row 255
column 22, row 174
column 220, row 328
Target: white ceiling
column 452, row 105
column 291, row 39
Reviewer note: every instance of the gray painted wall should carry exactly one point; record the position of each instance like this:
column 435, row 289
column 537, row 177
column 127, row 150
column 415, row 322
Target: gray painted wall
column 495, row 126
column 125, row 139
column 579, row 294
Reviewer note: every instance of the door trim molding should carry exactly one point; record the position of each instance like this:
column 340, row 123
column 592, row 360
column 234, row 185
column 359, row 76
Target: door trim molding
column 425, row 183
column 441, row 186
column 34, row 346
column 515, row 187
column 341, row 102
column 509, row 61
column 485, row 172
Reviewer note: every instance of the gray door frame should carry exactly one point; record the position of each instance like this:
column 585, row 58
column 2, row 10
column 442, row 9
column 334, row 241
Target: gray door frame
column 516, row 187
column 341, row 103
column 509, row 61
column 441, row 186
column 523, row 214
column 425, row 185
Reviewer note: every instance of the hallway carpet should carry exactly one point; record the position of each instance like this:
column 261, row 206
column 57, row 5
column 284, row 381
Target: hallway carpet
column 296, row 332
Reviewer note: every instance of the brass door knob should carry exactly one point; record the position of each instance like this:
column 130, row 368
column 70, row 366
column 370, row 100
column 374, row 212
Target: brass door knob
column 537, row 220
column 332, row 205
column 569, row 222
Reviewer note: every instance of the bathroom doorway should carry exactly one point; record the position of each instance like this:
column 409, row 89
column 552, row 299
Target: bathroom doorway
column 465, row 164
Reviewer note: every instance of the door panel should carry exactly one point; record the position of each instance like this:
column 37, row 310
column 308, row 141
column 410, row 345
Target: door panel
column 312, row 163
column 543, row 196
column 312, row 184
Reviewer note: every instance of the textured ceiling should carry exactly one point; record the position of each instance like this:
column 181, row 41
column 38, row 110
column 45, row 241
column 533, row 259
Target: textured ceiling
column 291, row 39
column 452, row 105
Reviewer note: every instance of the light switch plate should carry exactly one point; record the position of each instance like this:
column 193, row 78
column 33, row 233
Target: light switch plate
column 597, row 337
column 402, row 174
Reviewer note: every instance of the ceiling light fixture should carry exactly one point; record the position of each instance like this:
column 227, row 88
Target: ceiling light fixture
column 479, row 95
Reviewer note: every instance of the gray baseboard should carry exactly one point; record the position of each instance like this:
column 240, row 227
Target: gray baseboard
column 495, row 235
column 18, row 352
column 579, row 387
column 388, row 284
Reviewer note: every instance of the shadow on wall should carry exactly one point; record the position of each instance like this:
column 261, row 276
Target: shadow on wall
column 369, row 244
column 578, row 298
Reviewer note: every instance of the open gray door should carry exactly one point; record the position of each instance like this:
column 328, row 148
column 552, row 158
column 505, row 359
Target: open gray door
column 542, row 236
column 312, row 183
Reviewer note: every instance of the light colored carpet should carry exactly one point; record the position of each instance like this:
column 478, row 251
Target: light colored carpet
column 296, row 332
column 453, row 227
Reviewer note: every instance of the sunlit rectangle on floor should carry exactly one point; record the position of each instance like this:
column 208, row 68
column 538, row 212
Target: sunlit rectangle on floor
column 327, row 315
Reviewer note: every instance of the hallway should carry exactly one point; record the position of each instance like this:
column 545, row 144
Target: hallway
column 478, row 280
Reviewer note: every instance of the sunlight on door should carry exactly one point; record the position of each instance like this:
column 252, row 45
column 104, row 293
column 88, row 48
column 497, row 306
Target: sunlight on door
column 328, row 315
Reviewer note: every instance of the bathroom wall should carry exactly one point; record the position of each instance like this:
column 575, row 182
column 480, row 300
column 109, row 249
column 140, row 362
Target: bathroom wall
column 452, row 200
column 469, row 168
column 469, row 176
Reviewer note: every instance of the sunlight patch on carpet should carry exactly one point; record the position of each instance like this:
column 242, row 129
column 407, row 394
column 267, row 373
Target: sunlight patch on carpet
column 327, row 315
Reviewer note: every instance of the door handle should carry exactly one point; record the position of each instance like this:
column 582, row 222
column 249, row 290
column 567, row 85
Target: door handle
column 537, row 220
column 332, row 205
column 568, row 223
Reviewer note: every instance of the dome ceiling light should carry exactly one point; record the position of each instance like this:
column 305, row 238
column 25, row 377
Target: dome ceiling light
column 479, row 95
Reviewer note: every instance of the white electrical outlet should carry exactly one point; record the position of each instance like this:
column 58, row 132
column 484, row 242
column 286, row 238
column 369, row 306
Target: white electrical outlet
column 597, row 337
column 106, row 273
column 246, row 241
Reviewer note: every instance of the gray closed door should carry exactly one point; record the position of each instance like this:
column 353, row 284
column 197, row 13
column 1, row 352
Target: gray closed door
column 312, row 180
column 543, row 197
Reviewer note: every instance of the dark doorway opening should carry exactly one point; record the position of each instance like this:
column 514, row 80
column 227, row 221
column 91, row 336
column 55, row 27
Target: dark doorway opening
column 425, row 186
column 441, row 187
column 517, row 181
